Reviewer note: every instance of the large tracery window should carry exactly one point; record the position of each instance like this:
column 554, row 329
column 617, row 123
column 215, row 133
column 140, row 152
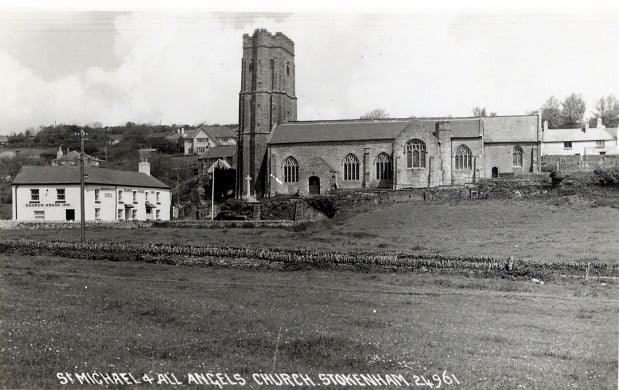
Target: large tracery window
column 383, row 167
column 291, row 170
column 518, row 156
column 416, row 154
column 351, row 167
column 464, row 158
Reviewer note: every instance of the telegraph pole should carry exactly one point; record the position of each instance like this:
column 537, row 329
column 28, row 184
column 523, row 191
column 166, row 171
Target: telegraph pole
column 82, row 209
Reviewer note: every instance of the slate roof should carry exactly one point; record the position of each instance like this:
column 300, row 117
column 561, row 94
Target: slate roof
column 364, row 130
column 510, row 128
column 591, row 134
column 220, row 151
column 71, row 175
column 219, row 131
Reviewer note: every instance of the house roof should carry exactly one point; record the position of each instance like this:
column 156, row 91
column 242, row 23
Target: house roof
column 219, row 131
column 363, row 130
column 521, row 128
column 75, row 155
column 329, row 131
column 220, row 151
column 591, row 134
column 71, row 175
column 191, row 133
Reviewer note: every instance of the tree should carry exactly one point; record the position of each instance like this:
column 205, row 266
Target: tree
column 551, row 112
column 377, row 113
column 607, row 109
column 481, row 111
column 573, row 110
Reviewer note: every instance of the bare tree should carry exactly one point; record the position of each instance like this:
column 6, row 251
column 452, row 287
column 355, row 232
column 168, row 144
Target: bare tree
column 377, row 113
column 607, row 109
column 481, row 111
column 551, row 112
column 573, row 110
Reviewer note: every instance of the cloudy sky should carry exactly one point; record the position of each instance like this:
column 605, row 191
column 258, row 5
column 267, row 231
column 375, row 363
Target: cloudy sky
column 183, row 66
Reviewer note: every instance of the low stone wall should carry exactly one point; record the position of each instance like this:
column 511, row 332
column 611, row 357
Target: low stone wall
column 249, row 224
column 55, row 225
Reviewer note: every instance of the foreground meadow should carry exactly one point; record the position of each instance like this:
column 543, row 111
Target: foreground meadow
column 496, row 228
column 79, row 316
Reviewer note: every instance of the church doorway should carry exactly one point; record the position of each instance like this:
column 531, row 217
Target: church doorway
column 314, row 185
column 495, row 172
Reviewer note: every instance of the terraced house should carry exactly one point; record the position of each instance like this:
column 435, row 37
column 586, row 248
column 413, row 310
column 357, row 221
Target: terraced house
column 53, row 194
column 279, row 155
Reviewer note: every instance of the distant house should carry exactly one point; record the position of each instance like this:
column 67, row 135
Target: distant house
column 585, row 141
column 197, row 141
column 222, row 135
column 114, row 139
column 72, row 158
column 4, row 140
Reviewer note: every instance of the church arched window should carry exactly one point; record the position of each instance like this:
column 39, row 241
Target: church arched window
column 291, row 170
column 351, row 167
column 464, row 158
column 415, row 154
column 383, row 167
column 251, row 66
column 518, row 153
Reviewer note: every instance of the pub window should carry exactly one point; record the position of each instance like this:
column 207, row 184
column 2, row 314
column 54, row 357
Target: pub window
column 291, row 170
column 39, row 214
column 518, row 156
column 351, row 167
column 60, row 195
column 34, row 195
column 599, row 143
column 158, row 214
column 120, row 196
column 567, row 145
column 464, row 158
column 97, row 195
column 97, row 214
column 120, row 214
column 157, row 197
column 135, row 197
column 383, row 167
column 415, row 154
column 134, row 213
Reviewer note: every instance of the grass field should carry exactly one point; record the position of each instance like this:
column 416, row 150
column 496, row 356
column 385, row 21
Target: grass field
column 61, row 315
column 79, row 316
column 503, row 228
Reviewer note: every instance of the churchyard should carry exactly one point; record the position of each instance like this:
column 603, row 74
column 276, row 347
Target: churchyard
column 64, row 315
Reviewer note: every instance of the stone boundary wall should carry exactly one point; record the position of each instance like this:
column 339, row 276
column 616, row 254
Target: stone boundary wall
column 10, row 224
column 578, row 163
column 249, row 224
column 248, row 257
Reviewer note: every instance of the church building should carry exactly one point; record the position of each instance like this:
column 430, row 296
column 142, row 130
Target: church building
column 279, row 155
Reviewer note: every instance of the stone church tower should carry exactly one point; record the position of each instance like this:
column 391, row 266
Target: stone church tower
column 267, row 98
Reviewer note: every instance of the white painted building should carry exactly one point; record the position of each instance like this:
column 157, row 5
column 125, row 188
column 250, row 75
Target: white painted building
column 580, row 142
column 53, row 194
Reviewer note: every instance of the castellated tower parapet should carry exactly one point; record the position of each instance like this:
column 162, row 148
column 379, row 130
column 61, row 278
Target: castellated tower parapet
column 267, row 98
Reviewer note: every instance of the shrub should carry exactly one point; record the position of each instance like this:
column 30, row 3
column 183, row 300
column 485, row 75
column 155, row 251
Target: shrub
column 607, row 176
column 322, row 204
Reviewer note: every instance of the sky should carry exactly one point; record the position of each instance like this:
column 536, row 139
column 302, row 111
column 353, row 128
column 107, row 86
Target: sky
column 183, row 66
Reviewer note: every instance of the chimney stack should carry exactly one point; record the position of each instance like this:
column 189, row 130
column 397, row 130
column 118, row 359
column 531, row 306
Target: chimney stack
column 545, row 125
column 599, row 124
column 144, row 165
